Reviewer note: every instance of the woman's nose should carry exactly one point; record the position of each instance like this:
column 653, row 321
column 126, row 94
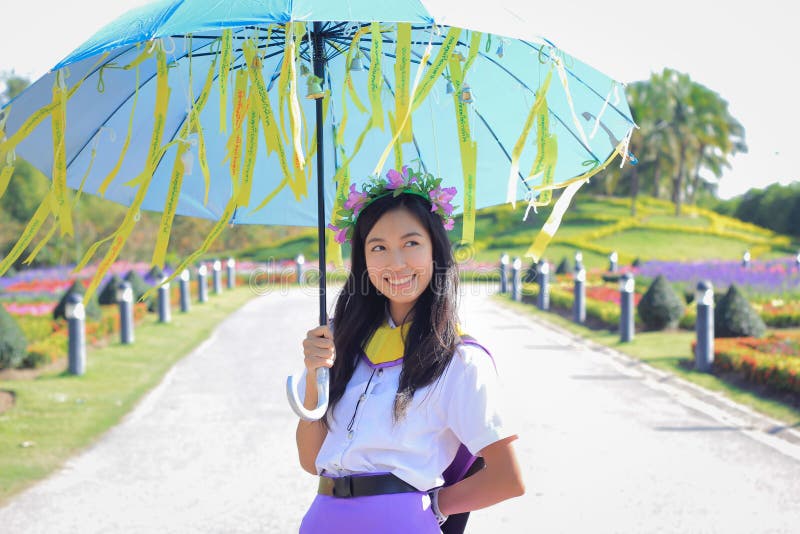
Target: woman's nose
column 397, row 259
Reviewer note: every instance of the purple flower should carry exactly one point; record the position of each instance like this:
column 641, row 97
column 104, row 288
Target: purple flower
column 355, row 201
column 341, row 233
column 448, row 224
column 396, row 179
column 441, row 197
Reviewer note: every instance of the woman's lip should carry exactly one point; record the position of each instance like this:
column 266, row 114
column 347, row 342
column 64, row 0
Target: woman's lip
column 402, row 281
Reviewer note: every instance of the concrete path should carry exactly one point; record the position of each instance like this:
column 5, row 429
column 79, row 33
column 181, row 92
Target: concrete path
column 607, row 445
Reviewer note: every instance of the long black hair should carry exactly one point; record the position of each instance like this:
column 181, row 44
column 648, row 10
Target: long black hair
column 360, row 309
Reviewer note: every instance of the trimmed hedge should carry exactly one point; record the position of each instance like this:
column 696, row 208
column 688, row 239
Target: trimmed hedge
column 92, row 307
column 734, row 317
column 13, row 344
column 660, row 307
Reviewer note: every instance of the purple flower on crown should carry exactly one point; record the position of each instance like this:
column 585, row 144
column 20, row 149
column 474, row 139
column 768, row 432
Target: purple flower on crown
column 441, row 197
column 340, row 233
column 448, row 224
column 355, row 201
column 397, row 179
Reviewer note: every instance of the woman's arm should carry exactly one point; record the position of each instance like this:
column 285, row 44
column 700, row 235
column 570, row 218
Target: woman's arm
column 499, row 480
column 318, row 349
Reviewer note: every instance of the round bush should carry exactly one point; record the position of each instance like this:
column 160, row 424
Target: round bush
column 139, row 287
column 531, row 274
column 155, row 273
column 13, row 344
column 734, row 317
column 660, row 307
column 92, row 307
column 108, row 295
column 564, row 267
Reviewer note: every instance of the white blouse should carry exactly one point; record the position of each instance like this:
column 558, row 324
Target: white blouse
column 463, row 406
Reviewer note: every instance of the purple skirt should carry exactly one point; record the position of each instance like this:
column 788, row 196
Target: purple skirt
column 398, row 513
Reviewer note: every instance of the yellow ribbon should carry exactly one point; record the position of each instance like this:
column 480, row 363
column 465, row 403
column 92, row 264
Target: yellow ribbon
column 60, row 199
column 516, row 153
column 435, row 71
column 156, row 151
column 272, row 134
column 546, row 156
column 42, row 113
column 51, row 232
column 111, row 175
column 375, row 75
column 32, row 228
column 289, row 57
column 250, row 150
column 226, row 54
column 402, row 67
column 469, row 153
column 5, row 178
column 571, row 186
column 170, row 206
column 348, row 79
column 234, row 143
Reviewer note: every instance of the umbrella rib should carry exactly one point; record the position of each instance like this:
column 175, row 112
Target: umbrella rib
column 121, row 104
column 601, row 97
column 553, row 113
column 500, row 144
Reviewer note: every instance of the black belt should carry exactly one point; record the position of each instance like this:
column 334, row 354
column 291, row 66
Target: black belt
column 363, row 486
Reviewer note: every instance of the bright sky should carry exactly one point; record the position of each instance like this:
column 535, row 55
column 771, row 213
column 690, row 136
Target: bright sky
column 742, row 50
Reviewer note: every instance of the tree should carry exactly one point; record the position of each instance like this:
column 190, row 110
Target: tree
column 686, row 134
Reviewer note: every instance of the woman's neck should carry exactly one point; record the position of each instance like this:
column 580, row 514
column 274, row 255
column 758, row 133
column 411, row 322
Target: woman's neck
column 400, row 312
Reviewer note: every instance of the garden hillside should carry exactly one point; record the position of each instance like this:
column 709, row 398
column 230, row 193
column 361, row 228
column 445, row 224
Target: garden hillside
column 596, row 226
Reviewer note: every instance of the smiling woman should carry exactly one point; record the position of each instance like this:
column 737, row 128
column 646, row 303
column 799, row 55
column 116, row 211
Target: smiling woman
column 411, row 394
column 399, row 255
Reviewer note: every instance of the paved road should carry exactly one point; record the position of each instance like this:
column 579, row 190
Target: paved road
column 607, row 445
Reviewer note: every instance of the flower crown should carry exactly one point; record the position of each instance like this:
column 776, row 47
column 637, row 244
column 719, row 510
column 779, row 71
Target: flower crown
column 406, row 180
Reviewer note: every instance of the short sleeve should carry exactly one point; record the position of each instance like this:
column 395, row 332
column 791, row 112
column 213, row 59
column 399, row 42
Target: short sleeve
column 476, row 401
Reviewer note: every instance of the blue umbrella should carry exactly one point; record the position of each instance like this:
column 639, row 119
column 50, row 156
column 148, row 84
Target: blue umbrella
column 198, row 107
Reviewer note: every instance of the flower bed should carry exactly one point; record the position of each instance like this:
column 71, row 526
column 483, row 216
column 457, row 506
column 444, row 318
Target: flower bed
column 773, row 362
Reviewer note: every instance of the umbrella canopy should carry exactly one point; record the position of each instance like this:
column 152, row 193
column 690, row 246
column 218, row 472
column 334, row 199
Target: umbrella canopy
column 197, row 107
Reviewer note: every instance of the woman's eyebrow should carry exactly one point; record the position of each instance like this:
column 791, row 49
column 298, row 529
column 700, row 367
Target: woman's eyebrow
column 405, row 236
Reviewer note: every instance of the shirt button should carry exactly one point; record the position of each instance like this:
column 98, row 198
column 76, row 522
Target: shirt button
column 350, row 435
column 363, row 397
column 380, row 372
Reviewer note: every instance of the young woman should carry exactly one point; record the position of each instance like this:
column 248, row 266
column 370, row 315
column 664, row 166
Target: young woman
column 406, row 389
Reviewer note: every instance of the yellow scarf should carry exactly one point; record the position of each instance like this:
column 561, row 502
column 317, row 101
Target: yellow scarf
column 386, row 344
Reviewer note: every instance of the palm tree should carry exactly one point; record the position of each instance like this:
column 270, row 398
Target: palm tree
column 683, row 125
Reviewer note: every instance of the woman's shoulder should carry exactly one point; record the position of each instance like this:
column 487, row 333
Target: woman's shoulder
column 470, row 353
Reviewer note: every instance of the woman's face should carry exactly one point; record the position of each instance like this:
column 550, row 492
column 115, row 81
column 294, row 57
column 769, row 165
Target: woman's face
column 399, row 256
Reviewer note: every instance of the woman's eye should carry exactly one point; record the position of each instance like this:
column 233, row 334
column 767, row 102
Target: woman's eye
column 378, row 248
column 411, row 243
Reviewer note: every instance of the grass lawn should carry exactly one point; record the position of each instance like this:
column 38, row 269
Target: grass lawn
column 57, row 414
column 674, row 246
column 665, row 351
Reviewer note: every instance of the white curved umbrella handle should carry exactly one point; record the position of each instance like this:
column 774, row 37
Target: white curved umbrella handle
column 322, row 395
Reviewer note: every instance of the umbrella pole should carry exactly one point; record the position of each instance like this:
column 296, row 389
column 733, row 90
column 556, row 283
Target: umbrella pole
column 318, row 51
column 319, row 71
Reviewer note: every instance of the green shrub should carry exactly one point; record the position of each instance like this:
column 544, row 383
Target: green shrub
column 155, row 272
column 734, row 317
column 92, row 307
column 531, row 274
column 564, row 267
column 140, row 287
column 108, row 295
column 660, row 307
column 13, row 344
